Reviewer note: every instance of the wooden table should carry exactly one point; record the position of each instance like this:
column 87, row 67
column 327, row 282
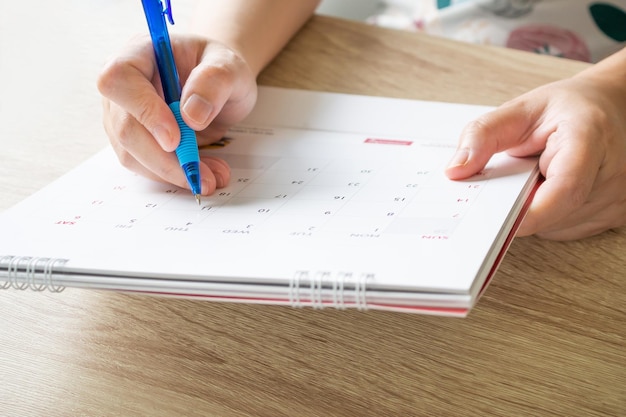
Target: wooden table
column 547, row 339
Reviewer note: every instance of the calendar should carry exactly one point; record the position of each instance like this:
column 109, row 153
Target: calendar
column 320, row 209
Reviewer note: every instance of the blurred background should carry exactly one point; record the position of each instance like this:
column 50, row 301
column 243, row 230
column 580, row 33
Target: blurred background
column 398, row 14
column 351, row 9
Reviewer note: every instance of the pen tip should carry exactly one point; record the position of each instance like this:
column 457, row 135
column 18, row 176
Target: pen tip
column 198, row 199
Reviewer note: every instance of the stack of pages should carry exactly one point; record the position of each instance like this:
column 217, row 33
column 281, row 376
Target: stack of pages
column 335, row 200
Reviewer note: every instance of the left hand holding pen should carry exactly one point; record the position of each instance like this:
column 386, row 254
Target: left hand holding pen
column 579, row 127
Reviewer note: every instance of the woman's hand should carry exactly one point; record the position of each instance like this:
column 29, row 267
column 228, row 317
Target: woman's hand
column 578, row 125
column 219, row 90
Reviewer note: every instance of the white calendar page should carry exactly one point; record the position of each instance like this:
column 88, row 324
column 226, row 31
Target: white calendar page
column 320, row 184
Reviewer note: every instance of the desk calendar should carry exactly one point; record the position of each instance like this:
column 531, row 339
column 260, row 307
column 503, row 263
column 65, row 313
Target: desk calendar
column 335, row 200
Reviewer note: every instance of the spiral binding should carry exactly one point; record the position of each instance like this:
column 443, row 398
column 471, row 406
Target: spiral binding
column 306, row 289
column 26, row 272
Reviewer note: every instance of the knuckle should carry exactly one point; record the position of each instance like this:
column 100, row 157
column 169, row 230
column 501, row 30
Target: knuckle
column 125, row 130
column 218, row 71
column 147, row 110
column 481, row 127
column 110, row 75
column 217, row 74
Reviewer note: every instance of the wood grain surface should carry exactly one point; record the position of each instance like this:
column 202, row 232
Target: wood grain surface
column 547, row 339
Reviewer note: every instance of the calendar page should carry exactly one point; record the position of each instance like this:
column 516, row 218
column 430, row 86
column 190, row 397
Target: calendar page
column 318, row 190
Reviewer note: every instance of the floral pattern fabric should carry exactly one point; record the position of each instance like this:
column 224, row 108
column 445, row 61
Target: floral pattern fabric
column 576, row 29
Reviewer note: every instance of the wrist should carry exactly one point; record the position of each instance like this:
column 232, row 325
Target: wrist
column 609, row 74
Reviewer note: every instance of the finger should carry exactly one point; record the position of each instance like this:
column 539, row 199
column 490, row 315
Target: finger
column 221, row 81
column 219, row 168
column 570, row 165
column 143, row 156
column 112, row 127
column 129, row 81
column 572, row 233
column 137, row 151
column 130, row 163
column 587, row 227
column 605, row 209
column 136, row 147
column 509, row 126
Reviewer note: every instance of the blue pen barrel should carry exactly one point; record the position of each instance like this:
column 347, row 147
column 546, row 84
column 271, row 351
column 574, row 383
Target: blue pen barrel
column 167, row 71
column 187, row 150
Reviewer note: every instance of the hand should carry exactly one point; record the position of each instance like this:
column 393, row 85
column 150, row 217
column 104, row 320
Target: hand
column 219, row 90
column 579, row 127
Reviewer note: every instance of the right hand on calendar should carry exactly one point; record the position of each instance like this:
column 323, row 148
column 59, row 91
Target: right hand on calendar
column 219, row 90
column 578, row 127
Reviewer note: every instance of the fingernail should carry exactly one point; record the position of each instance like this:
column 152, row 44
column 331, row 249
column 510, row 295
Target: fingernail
column 460, row 158
column 198, row 109
column 162, row 137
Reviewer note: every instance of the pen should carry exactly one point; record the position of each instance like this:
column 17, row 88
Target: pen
column 187, row 150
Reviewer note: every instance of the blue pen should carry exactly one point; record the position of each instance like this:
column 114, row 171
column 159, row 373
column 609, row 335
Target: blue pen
column 187, row 150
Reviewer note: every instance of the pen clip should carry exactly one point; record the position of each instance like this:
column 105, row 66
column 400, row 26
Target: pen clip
column 168, row 11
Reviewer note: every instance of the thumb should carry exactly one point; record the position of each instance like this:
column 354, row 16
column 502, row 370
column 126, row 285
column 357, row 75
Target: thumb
column 222, row 80
column 507, row 127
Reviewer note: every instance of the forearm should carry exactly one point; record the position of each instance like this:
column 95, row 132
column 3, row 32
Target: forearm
column 257, row 29
column 610, row 72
